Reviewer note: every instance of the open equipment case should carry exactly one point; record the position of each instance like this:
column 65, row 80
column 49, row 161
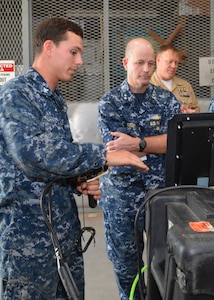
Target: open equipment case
column 180, row 217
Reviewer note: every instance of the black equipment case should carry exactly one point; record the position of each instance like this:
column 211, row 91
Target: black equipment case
column 180, row 243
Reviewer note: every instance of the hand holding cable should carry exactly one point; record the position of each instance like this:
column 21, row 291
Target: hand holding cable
column 90, row 188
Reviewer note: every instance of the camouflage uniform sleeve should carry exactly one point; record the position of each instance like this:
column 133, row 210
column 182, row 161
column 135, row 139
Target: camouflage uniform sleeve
column 38, row 137
column 110, row 117
column 211, row 106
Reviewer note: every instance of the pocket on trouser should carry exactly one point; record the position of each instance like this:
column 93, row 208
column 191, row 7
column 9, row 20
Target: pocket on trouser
column 28, row 278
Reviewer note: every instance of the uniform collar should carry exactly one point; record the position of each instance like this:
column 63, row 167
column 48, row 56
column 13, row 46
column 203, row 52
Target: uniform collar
column 43, row 87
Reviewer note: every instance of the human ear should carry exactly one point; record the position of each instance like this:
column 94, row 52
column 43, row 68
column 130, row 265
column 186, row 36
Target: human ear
column 125, row 62
column 47, row 46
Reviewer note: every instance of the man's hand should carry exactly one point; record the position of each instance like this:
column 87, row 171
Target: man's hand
column 90, row 188
column 186, row 110
column 123, row 141
column 155, row 144
column 124, row 158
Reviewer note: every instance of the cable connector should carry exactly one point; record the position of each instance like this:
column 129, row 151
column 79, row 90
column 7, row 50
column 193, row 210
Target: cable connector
column 66, row 277
column 93, row 174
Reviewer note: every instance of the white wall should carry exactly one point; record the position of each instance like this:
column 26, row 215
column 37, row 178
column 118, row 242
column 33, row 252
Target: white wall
column 83, row 122
column 204, row 104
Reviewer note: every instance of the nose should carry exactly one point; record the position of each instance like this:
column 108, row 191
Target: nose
column 146, row 67
column 79, row 60
column 174, row 64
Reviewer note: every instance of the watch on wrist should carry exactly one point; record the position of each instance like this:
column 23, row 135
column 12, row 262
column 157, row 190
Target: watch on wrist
column 142, row 145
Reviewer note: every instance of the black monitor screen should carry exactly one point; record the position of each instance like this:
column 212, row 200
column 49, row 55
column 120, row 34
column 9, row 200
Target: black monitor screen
column 190, row 150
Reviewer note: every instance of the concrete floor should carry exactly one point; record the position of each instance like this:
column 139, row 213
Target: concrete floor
column 99, row 275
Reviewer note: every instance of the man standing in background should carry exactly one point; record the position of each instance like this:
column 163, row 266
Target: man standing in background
column 167, row 61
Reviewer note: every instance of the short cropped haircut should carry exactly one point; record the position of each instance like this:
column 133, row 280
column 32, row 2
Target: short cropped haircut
column 164, row 48
column 54, row 29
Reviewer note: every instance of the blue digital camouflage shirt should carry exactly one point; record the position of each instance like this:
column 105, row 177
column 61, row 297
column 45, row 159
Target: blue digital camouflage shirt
column 120, row 110
column 36, row 146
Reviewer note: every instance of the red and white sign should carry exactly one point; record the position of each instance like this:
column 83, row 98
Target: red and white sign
column 7, row 70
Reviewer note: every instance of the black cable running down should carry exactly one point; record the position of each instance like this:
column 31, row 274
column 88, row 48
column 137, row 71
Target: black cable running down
column 62, row 266
column 142, row 207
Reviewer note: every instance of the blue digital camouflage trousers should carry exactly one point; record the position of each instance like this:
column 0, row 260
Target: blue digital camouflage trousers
column 35, row 279
column 119, row 222
column 28, row 266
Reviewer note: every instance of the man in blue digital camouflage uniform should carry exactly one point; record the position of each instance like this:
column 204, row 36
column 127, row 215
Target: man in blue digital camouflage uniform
column 36, row 146
column 132, row 116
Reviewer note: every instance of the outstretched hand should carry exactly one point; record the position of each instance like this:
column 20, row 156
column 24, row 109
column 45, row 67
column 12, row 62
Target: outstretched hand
column 124, row 158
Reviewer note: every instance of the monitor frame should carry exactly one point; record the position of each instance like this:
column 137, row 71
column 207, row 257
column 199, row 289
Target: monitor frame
column 190, row 150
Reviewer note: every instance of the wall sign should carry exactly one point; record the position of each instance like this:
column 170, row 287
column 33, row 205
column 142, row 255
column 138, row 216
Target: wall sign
column 7, row 70
column 206, row 71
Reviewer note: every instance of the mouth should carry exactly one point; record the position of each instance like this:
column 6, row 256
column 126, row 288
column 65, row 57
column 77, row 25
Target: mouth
column 72, row 70
column 145, row 77
column 171, row 72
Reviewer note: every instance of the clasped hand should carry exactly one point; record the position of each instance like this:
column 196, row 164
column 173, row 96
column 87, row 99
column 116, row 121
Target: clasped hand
column 90, row 188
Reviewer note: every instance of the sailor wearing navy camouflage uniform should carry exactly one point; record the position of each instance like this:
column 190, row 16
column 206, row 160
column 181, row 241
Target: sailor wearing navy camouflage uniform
column 132, row 116
column 36, row 146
